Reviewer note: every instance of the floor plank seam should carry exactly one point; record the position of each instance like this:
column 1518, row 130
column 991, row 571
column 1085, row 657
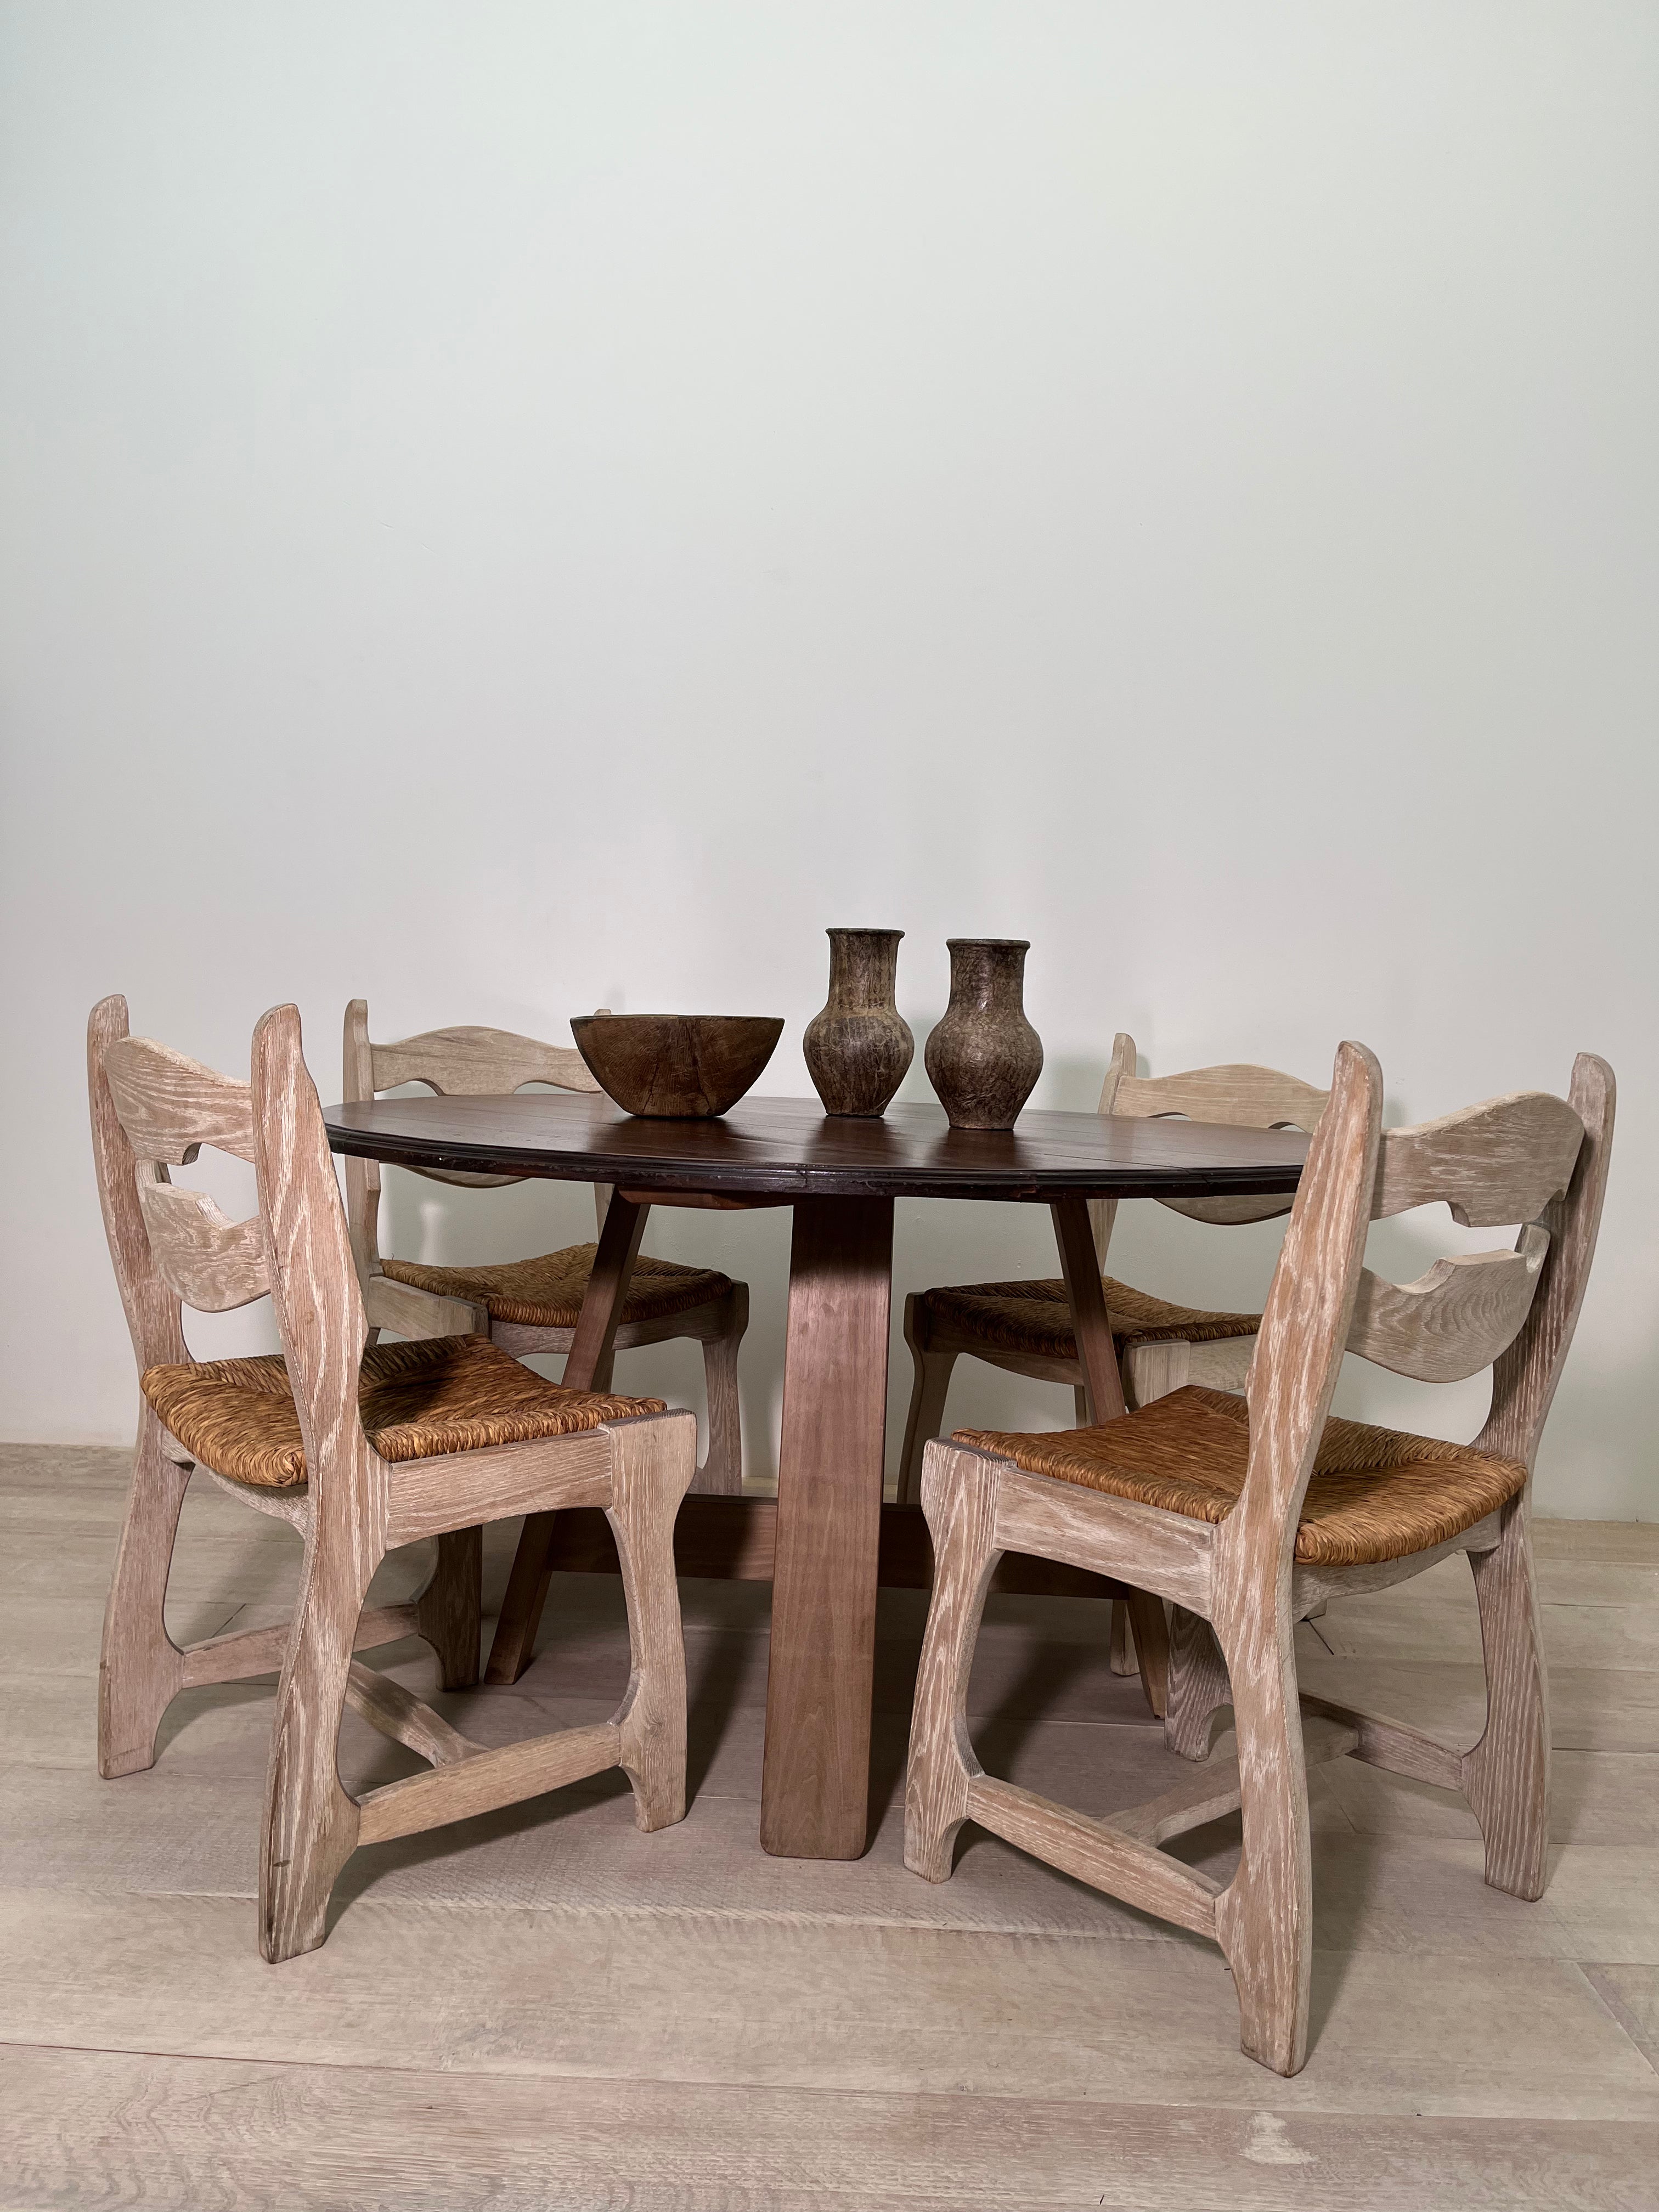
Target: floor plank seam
column 1593, row 1971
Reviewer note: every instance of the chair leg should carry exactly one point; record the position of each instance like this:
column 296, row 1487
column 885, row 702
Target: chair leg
column 721, row 1474
column 1506, row 1778
column 655, row 1459
column 928, row 1392
column 1151, row 1633
column 1198, row 1686
column 141, row 1670
column 1121, row 1656
column 958, row 1497
column 1264, row 1918
column 310, row 1823
column 449, row 1611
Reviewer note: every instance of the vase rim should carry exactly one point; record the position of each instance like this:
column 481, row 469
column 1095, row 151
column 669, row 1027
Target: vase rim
column 848, row 930
column 1015, row 944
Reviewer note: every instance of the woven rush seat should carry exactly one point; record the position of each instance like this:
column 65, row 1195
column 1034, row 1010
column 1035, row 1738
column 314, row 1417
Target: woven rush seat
column 446, row 1394
column 1036, row 1317
column 1374, row 1494
column 547, row 1292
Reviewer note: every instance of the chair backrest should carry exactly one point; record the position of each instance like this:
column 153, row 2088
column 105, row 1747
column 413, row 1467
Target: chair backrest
column 1528, row 1157
column 153, row 1110
column 457, row 1063
column 1247, row 1096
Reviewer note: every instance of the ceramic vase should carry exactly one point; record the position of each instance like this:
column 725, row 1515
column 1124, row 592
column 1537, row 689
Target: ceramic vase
column 984, row 1058
column 858, row 1049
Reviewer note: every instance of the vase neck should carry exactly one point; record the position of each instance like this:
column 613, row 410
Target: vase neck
column 988, row 972
column 863, row 966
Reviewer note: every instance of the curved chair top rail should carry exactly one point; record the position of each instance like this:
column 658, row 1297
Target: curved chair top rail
column 464, row 1062
column 170, row 1106
column 1239, row 1093
column 1502, row 1160
column 468, row 1062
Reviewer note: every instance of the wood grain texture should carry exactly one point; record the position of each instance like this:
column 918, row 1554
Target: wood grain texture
column 470, row 1061
column 1169, row 1555
column 959, row 1501
column 1455, row 1320
column 1100, row 1852
column 1197, row 1686
column 135, row 2129
column 677, row 1067
column 311, row 1824
column 484, row 1780
column 653, row 1461
column 449, row 1610
column 1247, row 1097
column 1090, row 1323
column 1264, row 1919
column 735, row 1540
column 789, row 1147
column 1525, row 1376
column 152, row 1308
column 387, row 1707
column 171, row 1105
column 931, row 1367
column 409, row 1311
column 1501, row 1161
column 351, row 1509
column 426, row 1496
column 210, row 1262
column 815, row 1783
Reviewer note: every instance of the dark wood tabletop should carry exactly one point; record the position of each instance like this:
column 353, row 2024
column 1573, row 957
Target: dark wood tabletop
column 784, row 1147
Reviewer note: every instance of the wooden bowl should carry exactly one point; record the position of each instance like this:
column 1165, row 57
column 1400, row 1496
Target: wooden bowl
column 676, row 1066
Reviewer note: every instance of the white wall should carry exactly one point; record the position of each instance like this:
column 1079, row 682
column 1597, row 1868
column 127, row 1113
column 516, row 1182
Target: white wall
column 514, row 507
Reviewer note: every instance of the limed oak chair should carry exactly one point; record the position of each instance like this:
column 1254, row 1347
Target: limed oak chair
column 1249, row 1514
column 362, row 1450
column 1025, row 1328
column 532, row 1305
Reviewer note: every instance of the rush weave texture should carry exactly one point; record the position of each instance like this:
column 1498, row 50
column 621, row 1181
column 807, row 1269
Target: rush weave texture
column 1036, row 1317
column 448, row 1393
column 1374, row 1494
column 547, row 1292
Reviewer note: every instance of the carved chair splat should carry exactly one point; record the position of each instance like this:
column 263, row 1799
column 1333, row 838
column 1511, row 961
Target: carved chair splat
column 461, row 1433
column 1247, row 1518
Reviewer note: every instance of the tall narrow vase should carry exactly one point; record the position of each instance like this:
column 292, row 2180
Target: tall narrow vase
column 858, row 1049
column 984, row 1058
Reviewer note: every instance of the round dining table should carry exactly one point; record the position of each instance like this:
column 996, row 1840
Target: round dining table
column 823, row 1543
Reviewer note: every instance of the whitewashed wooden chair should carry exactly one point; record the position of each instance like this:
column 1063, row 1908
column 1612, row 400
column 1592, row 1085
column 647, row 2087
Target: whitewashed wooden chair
column 532, row 1305
column 1025, row 1328
column 362, row 1450
column 1247, row 1515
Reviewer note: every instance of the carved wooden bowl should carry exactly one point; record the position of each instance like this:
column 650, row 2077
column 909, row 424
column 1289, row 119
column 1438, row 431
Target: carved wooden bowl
column 676, row 1066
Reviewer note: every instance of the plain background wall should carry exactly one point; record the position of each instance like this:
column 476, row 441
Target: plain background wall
column 510, row 508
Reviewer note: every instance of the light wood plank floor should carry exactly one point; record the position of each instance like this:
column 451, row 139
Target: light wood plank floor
column 544, row 2007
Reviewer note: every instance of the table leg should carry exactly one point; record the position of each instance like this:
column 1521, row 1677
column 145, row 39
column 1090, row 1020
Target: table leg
column 815, row 1785
column 587, row 1367
column 1079, row 1262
